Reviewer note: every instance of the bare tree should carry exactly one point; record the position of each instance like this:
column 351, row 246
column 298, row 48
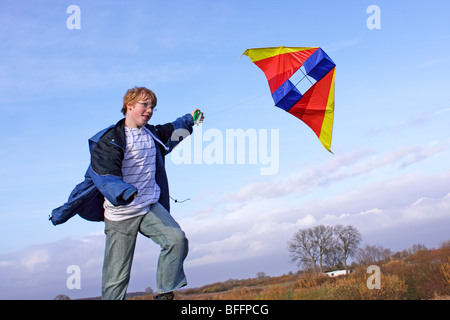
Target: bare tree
column 261, row 275
column 417, row 247
column 348, row 239
column 309, row 247
column 323, row 239
column 333, row 258
column 302, row 249
column 372, row 254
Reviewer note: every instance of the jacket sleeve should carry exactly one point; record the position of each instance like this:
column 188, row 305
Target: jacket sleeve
column 182, row 128
column 113, row 188
column 106, row 172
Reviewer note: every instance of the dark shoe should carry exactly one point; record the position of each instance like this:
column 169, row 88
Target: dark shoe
column 164, row 296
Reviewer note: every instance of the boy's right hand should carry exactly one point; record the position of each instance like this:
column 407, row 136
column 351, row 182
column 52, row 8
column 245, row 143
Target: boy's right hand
column 202, row 117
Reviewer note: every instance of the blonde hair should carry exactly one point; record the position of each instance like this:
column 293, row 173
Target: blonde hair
column 138, row 94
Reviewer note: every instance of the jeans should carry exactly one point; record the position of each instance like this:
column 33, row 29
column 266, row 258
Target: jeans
column 158, row 225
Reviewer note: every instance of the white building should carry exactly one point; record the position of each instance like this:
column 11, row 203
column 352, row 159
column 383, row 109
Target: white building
column 336, row 273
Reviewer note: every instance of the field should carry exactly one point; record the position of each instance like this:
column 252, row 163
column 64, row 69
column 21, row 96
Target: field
column 424, row 274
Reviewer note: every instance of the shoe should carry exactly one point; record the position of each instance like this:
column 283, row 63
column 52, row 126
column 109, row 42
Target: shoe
column 164, row 296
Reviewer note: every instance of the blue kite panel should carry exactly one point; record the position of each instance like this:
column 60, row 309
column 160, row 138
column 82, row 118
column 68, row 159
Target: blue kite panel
column 318, row 65
column 286, row 96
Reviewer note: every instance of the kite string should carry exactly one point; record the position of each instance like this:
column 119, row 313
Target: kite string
column 179, row 201
column 216, row 113
column 256, row 97
column 236, row 105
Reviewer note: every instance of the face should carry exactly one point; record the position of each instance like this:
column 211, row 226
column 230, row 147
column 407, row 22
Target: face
column 139, row 114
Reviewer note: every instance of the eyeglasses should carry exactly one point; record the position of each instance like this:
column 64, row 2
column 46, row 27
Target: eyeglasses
column 146, row 105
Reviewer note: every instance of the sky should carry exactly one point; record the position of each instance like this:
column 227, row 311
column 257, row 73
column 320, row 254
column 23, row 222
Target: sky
column 61, row 82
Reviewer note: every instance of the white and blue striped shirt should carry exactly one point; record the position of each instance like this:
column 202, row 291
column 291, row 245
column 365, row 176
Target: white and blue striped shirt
column 138, row 169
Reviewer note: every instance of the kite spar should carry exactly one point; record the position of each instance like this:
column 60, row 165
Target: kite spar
column 315, row 107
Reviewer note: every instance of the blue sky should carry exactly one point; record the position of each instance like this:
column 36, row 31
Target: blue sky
column 388, row 176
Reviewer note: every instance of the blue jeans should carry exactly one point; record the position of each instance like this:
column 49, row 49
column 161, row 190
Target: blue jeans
column 156, row 224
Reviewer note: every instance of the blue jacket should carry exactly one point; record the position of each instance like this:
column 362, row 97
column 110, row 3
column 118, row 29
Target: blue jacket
column 103, row 178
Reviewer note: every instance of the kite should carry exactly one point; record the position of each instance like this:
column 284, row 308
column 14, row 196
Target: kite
column 315, row 106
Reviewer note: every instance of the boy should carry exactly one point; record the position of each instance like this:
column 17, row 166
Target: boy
column 126, row 186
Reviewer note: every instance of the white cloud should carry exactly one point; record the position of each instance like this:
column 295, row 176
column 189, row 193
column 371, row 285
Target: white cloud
column 426, row 208
column 392, row 202
column 338, row 168
column 270, row 211
column 35, row 259
column 39, row 271
column 371, row 211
